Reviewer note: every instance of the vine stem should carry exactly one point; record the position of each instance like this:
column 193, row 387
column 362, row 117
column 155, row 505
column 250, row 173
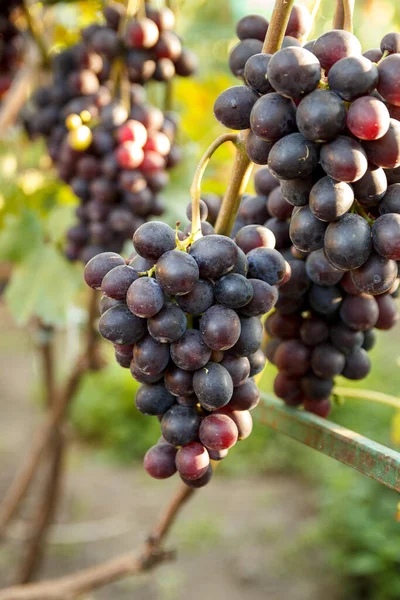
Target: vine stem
column 371, row 395
column 33, row 30
column 195, row 188
column 277, row 26
column 348, row 9
column 338, row 21
column 313, row 13
column 84, row 581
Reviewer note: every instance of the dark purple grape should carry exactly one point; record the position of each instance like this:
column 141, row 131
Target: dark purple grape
column 376, row 275
column 313, row 331
column 352, row 77
column 385, row 152
column 180, row 425
column 359, row 312
column 218, row 432
column 120, row 326
column 153, row 399
column 190, row 352
column 388, row 314
column 373, row 54
column 250, row 337
column 266, row 264
column 264, row 299
column 344, row 159
column 116, row 282
column 273, row 117
column 233, row 106
column 177, row 272
column 334, row 45
column 391, row 200
column 344, row 338
column 145, row 297
column 168, row 325
column 293, row 157
column 292, row 357
column 288, row 389
column 192, row 461
column 330, row 199
column 258, row 360
column 245, row 396
column 152, row 239
column 327, row 361
column 285, row 327
column 369, row 338
column 255, row 73
column 306, row 231
column 199, row 299
column 215, row 255
column 321, row 116
column 372, row 186
column 254, row 236
column 265, row 182
column 358, row 364
column 325, row 300
column 220, row 327
column 106, row 303
column 233, row 290
column 299, row 281
column 320, row 270
column 348, row 242
column 98, row 267
column 150, row 357
column 388, row 84
column 252, row 26
column 178, row 382
column 277, row 206
column 316, row 388
column 238, row 368
column 159, row 461
column 297, row 191
column 390, row 43
column 201, row 481
column 258, row 149
column 213, row 386
column 294, row 72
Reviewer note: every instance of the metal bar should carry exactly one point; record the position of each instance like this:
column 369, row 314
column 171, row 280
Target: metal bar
column 351, row 448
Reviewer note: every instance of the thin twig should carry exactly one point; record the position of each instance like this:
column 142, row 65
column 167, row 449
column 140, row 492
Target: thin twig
column 313, row 13
column 348, row 8
column 195, row 189
column 277, row 26
column 77, row 584
column 35, row 33
column 371, row 395
column 338, row 21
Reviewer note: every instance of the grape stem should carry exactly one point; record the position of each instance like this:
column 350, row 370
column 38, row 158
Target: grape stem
column 348, row 9
column 195, row 188
column 338, row 21
column 371, row 395
column 362, row 212
column 277, row 26
column 35, row 33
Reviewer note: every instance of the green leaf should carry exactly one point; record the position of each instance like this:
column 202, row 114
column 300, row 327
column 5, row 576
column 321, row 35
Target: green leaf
column 21, row 235
column 43, row 285
column 60, row 219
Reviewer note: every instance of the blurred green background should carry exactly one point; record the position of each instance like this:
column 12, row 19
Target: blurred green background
column 355, row 529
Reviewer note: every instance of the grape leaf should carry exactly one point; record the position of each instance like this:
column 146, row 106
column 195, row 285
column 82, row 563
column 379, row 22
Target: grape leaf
column 60, row 219
column 21, row 234
column 43, row 285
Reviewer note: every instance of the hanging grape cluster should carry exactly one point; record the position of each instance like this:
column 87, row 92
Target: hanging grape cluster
column 323, row 117
column 185, row 316
column 107, row 142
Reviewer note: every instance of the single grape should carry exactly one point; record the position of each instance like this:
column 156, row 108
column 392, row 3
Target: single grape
column 264, row 298
column 116, row 282
column 372, row 186
column 277, row 206
column 370, row 337
column 313, row 331
column 386, row 236
column 325, row 300
column 359, row 312
column 388, row 83
column 253, row 210
column 288, row 389
column 368, row 118
column 306, row 231
column 252, row 26
column 176, row 272
column 152, row 239
column 297, row 191
column 240, row 54
column 98, row 267
column 348, row 242
column 257, row 361
column 273, row 117
column 245, row 396
column 280, row 229
column 257, row 149
column 201, row 481
column 153, row 399
column 265, row 181
column 321, row 116
column 168, row 325
column 385, row 152
column 106, row 303
column 292, row 357
column 120, row 326
column 233, row 106
column 358, row 364
column 376, row 275
column 266, row 264
column 145, row 297
column 218, row 432
column 373, row 54
column 250, row 337
column 233, row 290
column 352, row 77
column 330, row 199
column 213, row 386
column 237, row 367
column 220, row 327
column 344, row 159
column 150, row 357
column 180, row 425
column 190, row 352
column 178, row 382
column 320, row 270
column 199, row 299
column 391, row 200
column 293, row 157
column 388, row 314
column 215, row 255
column 255, row 73
column 203, row 210
column 159, row 461
column 327, row 361
column 294, row 72
column 344, row 338
column 316, row 388
column 254, row 236
column 333, row 45
column 285, row 327
column 300, row 21
column 321, row 407
column 192, row 460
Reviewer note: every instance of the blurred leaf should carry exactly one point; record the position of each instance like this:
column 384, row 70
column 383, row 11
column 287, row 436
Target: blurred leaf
column 60, row 219
column 21, row 234
column 43, row 285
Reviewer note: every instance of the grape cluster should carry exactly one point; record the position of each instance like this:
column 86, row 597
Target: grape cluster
column 11, row 46
column 113, row 152
column 184, row 314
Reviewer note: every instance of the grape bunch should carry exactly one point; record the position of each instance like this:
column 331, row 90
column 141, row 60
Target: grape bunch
column 113, row 150
column 184, row 314
column 11, row 46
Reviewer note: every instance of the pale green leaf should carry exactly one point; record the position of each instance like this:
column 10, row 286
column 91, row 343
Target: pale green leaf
column 20, row 235
column 60, row 219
